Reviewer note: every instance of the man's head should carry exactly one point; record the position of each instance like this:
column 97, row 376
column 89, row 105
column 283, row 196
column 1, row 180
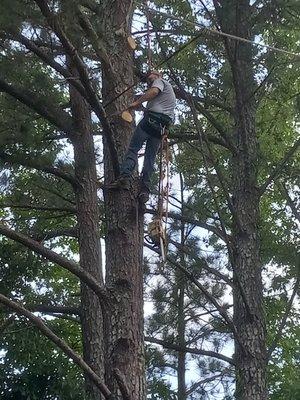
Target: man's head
column 152, row 75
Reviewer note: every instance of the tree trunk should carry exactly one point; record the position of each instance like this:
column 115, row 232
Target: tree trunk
column 250, row 347
column 89, row 240
column 124, row 237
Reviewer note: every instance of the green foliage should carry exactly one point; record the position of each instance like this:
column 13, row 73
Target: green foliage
column 32, row 367
column 38, row 204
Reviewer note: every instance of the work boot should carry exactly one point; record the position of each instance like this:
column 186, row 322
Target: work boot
column 122, row 182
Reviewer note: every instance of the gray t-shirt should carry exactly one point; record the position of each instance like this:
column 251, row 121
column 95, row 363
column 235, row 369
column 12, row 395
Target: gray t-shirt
column 165, row 101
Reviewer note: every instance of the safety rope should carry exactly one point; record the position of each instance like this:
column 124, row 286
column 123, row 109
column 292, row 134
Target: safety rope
column 149, row 11
column 163, row 192
column 220, row 33
column 157, row 228
column 159, row 225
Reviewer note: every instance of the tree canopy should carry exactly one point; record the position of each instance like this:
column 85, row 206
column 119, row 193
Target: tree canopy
column 66, row 73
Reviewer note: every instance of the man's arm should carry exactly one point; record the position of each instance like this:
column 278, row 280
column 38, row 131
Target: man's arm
column 148, row 95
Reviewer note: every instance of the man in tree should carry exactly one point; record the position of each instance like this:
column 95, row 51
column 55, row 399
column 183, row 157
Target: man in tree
column 158, row 114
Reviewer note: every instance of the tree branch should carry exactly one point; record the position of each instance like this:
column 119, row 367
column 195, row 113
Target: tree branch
column 59, row 343
column 193, row 136
column 206, row 293
column 70, row 232
column 30, row 45
column 290, row 202
column 195, row 385
column 57, row 117
column 206, row 102
column 192, row 221
column 71, row 266
column 188, row 97
column 120, row 378
column 95, row 41
column 31, row 163
column 190, row 350
column 279, row 167
column 92, row 6
column 50, row 309
column 284, row 318
column 40, row 208
column 204, row 263
column 85, row 79
column 215, row 123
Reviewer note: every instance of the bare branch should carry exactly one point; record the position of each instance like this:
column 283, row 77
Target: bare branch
column 71, row 266
column 190, row 350
column 50, row 309
column 215, row 123
column 195, row 385
column 70, row 232
column 59, row 342
column 193, row 136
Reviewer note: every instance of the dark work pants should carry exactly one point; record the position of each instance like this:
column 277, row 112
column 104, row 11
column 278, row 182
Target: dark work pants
column 130, row 160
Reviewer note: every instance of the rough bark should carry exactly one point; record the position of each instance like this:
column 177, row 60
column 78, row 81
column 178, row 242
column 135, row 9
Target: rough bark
column 89, row 240
column 124, row 273
column 250, row 350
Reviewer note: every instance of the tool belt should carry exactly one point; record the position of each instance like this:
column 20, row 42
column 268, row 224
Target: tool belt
column 154, row 122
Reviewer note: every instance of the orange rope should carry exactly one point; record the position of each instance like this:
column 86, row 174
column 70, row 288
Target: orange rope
column 163, row 192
